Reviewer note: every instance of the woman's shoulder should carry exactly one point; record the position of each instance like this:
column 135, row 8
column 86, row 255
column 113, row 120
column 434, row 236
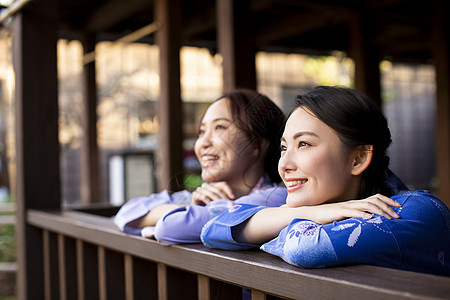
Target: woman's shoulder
column 271, row 196
column 422, row 205
column 418, row 197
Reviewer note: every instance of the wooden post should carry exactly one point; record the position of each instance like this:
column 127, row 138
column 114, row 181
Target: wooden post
column 234, row 43
column 90, row 176
column 367, row 69
column 168, row 14
column 37, row 146
column 441, row 50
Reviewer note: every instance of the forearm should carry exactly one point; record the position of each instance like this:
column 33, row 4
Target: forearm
column 182, row 225
column 152, row 217
column 267, row 223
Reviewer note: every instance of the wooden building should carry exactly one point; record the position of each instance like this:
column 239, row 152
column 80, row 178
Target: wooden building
column 73, row 255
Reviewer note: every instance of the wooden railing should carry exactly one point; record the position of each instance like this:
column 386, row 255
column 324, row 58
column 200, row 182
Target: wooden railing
column 86, row 257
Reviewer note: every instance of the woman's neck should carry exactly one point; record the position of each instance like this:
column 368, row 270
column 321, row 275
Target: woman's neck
column 242, row 186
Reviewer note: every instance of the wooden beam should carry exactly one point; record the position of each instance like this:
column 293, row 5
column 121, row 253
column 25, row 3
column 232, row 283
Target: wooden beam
column 441, row 50
column 200, row 22
column 169, row 104
column 12, row 9
column 367, row 70
column 90, row 174
column 36, row 120
column 113, row 12
column 299, row 24
column 235, row 44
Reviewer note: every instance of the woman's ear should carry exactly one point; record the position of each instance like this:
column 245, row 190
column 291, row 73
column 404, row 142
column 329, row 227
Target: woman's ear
column 362, row 158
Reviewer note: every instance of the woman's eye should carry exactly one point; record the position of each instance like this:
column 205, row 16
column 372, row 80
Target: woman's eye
column 201, row 132
column 283, row 148
column 302, row 144
column 219, row 127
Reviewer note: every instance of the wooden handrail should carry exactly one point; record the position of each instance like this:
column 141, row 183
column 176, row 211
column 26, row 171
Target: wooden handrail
column 8, row 207
column 254, row 269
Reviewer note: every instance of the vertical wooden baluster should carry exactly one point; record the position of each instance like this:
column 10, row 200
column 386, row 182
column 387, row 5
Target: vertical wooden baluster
column 129, row 293
column 80, row 269
column 258, row 295
column 62, row 268
column 203, row 287
column 101, row 273
column 162, row 282
column 47, row 281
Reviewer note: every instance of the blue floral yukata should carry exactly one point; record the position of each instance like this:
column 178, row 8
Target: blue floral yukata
column 418, row 241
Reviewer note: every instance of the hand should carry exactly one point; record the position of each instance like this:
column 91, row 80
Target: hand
column 208, row 192
column 364, row 208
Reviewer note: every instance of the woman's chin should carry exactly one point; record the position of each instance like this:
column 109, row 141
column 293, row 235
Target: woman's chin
column 208, row 176
column 296, row 201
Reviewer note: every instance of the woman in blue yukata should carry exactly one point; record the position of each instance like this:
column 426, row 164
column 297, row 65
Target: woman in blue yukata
column 333, row 149
column 237, row 147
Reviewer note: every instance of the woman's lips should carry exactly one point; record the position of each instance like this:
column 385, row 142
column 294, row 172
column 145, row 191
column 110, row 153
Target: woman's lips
column 294, row 184
column 207, row 160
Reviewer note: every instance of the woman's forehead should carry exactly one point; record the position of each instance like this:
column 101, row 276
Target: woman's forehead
column 303, row 120
column 220, row 109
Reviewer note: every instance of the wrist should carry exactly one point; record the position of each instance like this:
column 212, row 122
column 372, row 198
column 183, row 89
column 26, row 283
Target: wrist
column 307, row 212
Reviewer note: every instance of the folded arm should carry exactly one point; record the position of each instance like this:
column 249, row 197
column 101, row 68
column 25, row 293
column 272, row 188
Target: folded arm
column 184, row 224
column 267, row 223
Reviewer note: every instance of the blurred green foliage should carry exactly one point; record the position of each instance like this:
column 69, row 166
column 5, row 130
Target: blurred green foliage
column 7, row 243
column 192, row 181
column 7, row 255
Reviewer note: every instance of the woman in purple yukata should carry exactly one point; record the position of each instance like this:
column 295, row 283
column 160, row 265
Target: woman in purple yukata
column 334, row 149
column 237, row 147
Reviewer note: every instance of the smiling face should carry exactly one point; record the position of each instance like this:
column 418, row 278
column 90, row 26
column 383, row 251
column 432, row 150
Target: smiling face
column 314, row 165
column 223, row 150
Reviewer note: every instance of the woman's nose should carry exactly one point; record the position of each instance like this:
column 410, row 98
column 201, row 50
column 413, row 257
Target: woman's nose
column 286, row 162
column 205, row 140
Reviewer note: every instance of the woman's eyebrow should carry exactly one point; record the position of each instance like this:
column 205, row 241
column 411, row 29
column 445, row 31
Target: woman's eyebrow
column 222, row 119
column 217, row 120
column 301, row 133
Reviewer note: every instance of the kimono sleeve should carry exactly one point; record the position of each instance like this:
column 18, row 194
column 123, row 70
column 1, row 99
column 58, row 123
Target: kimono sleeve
column 139, row 207
column 184, row 224
column 217, row 232
column 418, row 241
column 307, row 244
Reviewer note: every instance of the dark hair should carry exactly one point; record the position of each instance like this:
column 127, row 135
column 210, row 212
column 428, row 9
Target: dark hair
column 357, row 120
column 260, row 119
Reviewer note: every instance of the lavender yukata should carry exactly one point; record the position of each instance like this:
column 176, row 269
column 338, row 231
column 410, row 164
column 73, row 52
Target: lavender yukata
column 184, row 224
column 418, row 241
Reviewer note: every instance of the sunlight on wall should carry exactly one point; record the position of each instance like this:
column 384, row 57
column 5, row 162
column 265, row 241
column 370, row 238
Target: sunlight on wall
column 282, row 76
column 7, row 134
